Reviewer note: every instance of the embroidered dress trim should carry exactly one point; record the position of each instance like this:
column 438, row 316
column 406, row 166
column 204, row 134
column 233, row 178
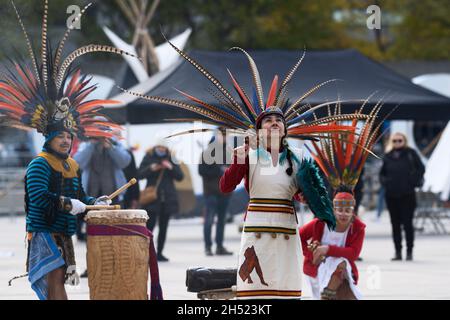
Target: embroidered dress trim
column 270, row 230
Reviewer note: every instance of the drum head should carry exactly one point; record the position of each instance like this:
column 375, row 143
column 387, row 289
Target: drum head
column 117, row 214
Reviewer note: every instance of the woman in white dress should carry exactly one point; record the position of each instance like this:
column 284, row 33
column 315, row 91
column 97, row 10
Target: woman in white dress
column 270, row 256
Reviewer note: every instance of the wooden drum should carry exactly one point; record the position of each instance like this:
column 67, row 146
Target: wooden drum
column 117, row 255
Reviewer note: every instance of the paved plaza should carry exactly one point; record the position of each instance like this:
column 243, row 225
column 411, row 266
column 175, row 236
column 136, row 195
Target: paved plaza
column 427, row 277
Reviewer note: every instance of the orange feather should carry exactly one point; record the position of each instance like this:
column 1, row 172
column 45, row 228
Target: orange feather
column 11, row 108
column 71, row 87
column 242, row 94
column 272, row 92
column 349, row 146
column 13, row 91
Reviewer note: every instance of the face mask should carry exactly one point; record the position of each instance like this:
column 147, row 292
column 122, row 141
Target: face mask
column 160, row 153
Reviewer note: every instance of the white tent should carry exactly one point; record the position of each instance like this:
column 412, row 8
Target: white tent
column 437, row 174
column 166, row 55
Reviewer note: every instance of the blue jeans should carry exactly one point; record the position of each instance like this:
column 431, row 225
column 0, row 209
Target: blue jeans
column 214, row 204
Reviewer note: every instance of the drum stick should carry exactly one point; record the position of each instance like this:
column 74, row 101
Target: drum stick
column 116, row 207
column 122, row 189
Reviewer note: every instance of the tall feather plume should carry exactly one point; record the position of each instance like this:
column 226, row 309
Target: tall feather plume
column 350, row 155
column 211, row 78
column 273, row 88
column 342, row 117
column 29, row 96
column 307, row 94
column 309, row 111
column 82, row 51
column 219, row 97
column 213, row 109
column 367, row 131
column 288, row 78
column 298, row 112
column 365, row 102
column 283, row 100
column 243, row 96
column 308, row 130
column 44, row 44
column 27, row 39
column 256, row 76
column 219, row 120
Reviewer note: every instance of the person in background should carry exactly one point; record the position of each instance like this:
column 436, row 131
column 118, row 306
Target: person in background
column 159, row 165
column 24, row 154
column 402, row 171
column 101, row 162
column 211, row 168
column 131, row 197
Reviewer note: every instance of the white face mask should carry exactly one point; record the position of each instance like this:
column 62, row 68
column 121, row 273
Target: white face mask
column 160, row 153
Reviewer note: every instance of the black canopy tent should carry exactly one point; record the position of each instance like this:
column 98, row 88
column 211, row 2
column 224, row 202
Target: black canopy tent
column 358, row 77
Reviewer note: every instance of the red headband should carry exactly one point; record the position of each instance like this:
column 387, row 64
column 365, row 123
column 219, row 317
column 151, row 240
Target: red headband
column 344, row 199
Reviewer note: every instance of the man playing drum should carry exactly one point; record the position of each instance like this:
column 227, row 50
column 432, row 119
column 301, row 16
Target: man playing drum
column 50, row 96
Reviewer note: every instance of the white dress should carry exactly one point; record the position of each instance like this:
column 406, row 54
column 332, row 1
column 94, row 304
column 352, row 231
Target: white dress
column 270, row 258
column 328, row 267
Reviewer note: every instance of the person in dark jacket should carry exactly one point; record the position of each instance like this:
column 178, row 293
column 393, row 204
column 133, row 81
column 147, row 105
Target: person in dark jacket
column 131, row 197
column 401, row 173
column 157, row 159
column 211, row 168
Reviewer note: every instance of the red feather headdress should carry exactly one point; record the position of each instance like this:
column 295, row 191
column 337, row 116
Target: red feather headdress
column 244, row 117
column 341, row 155
column 42, row 97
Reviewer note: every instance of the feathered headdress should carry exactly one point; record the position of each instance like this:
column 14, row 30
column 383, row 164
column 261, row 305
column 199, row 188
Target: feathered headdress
column 42, row 97
column 341, row 156
column 245, row 116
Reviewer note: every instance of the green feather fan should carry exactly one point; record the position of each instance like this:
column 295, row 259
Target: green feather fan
column 315, row 193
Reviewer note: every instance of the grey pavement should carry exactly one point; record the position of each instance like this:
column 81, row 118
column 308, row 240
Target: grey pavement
column 427, row 277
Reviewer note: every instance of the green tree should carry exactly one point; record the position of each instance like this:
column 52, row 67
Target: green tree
column 32, row 12
column 411, row 29
column 424, row 32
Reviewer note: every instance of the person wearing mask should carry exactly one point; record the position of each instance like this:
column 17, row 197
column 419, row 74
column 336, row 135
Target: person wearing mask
column 161, row 171
column 402, row 171
column 101, row 161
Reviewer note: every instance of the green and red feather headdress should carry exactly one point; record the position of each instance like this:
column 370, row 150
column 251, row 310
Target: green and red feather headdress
column 50, row 94
column 244, row 117
column 341, row 155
